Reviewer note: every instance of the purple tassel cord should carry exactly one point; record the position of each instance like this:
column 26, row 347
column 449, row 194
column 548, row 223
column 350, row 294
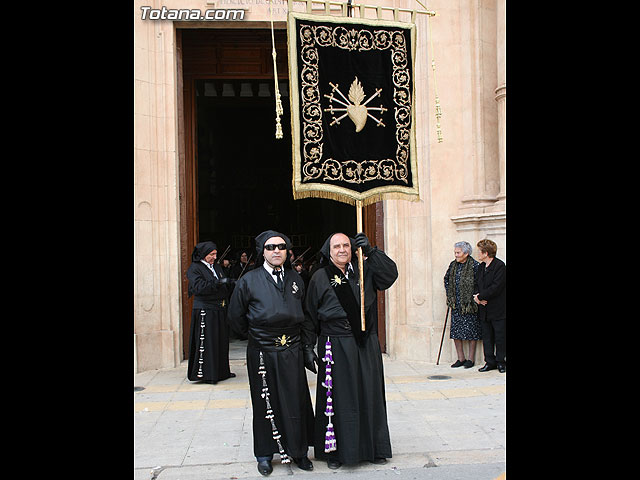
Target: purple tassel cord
column 330, row 437
column 284, row 458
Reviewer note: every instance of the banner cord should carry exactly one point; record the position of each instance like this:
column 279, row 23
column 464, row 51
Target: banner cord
column 276, row 90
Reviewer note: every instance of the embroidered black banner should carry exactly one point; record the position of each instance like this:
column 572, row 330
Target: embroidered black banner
column 351, row 87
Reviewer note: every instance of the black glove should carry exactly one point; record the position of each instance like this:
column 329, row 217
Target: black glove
column 310, row 358
column 361, row 240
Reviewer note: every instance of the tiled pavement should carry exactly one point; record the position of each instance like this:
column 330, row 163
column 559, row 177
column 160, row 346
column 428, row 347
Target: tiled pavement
column 190, row 431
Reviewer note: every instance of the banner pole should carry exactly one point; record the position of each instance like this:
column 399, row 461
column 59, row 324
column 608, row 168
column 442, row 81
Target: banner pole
column 360, row 261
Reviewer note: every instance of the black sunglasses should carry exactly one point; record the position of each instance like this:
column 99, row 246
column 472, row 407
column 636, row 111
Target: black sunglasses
column 273, row 246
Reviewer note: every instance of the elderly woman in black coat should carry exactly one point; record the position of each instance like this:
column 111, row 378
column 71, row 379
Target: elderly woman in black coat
column 460, row 285
column 491, row 298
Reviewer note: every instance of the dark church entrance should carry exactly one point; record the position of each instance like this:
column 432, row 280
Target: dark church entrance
column 236, row 176
column 244, row 172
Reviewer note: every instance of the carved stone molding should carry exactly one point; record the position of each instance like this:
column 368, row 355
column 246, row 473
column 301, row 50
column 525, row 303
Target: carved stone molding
column 494, row 223
column 477, row 203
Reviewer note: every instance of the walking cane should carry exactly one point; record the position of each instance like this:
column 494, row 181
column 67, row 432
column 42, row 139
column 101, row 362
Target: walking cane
column 444, row 329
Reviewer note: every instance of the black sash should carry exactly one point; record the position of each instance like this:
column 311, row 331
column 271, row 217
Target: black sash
column 274, row 339
column 347, row 300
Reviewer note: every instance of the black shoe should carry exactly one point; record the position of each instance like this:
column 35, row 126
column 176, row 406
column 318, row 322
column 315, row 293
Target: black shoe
column 232, row 375
column 333, row 464
column 486, row 368
column 502, row 368
column 457, row 364
column 379, row 461
column 304, row 463
column 264, row 467
column 468, row 364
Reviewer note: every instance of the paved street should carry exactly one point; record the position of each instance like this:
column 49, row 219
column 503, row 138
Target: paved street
column 449, row 428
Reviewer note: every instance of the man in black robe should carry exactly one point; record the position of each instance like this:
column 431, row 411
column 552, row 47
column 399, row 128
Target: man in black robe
column 266, row 305
column 351, row 411
column 209, row 337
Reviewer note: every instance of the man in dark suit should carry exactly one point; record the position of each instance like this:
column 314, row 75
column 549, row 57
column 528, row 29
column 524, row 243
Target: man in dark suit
column 492, row 306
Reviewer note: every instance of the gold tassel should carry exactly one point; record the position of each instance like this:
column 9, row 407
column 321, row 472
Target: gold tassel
column 276, row 89
column 435, row 82
column 435, row 86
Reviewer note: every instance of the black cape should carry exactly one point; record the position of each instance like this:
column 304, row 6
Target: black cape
column 359, row 403
column 209, row 336
column 259, row 309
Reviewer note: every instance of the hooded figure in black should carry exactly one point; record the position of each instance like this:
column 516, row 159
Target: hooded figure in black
column 266, row 306
column 351, row 411
column 242, row 265
column 209, row 339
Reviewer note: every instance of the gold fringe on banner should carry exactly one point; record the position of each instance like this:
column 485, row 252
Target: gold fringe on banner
column 352, row 197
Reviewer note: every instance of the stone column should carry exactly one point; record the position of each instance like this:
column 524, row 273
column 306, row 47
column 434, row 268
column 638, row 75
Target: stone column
column 501, row 98
column 482, row 209
column 156, row 283
column 479, row 117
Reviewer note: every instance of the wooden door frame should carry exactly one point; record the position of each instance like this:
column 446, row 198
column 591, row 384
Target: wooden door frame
column 373, row 215
column 187, row 190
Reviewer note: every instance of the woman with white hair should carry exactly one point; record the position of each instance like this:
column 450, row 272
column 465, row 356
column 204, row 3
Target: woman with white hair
column 460, row 283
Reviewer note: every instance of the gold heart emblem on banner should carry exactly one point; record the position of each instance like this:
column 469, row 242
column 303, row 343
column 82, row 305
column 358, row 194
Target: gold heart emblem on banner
column 358, row 115
column 356, row 110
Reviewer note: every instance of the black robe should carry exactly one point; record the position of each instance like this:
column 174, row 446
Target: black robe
column 492, row 287
column 276, row 326
column 358, row 393
column 237, row 270
column 209, row 336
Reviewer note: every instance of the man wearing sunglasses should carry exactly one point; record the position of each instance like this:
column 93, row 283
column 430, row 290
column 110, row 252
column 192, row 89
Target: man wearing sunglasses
column 266, row 306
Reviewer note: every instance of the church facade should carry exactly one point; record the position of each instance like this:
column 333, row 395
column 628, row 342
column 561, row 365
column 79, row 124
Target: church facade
column 462, row 180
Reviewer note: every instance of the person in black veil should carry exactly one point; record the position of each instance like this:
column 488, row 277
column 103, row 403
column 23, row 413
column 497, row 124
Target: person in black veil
column 242, row 265
column 266, row 306
column 351, row 412
column 226, row 267
column 209, row 338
